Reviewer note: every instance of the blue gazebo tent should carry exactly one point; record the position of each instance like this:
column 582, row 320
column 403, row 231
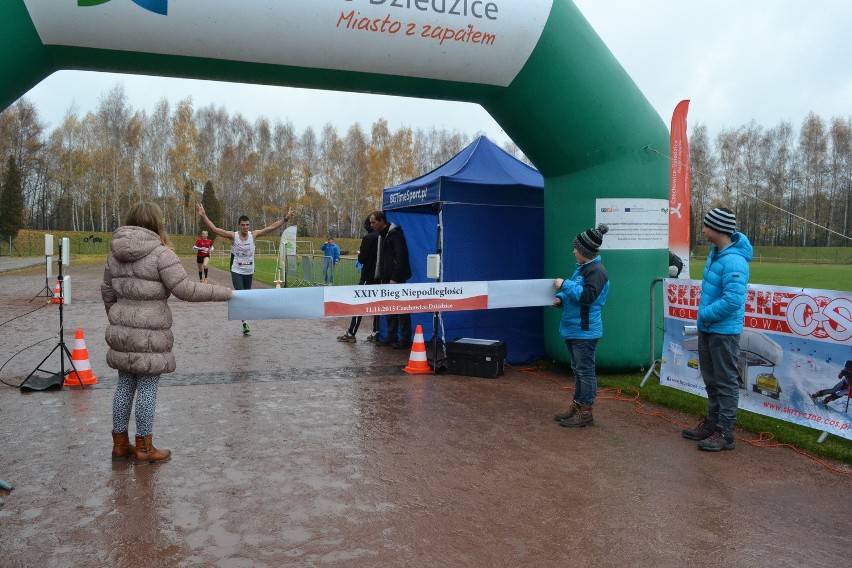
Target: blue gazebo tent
column 488, row 208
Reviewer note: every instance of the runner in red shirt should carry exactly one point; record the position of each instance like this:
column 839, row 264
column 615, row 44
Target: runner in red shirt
column 203, row 247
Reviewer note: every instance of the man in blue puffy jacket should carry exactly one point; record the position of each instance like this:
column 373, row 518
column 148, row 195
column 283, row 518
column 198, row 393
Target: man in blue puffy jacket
column 720, row 322
column 582, row 296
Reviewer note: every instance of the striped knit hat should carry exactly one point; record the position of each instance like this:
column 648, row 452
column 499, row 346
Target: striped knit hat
column 589, row 241
column 722, row 220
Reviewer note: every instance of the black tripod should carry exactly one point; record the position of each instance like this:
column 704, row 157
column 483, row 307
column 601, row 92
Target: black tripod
column 440, row 364
column 54, row 380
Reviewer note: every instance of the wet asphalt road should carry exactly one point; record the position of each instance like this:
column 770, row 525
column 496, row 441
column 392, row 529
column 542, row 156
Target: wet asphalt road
column 292, row 449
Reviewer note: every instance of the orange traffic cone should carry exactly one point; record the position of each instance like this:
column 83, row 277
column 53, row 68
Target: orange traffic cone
column 80, row 360
column 417, row 364
column 57, row 293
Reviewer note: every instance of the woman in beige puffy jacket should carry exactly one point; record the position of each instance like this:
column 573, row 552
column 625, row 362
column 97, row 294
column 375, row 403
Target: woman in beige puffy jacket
column 140, row 275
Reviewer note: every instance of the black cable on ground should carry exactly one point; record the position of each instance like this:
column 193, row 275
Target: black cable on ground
column 22, row 315
column 15, row 355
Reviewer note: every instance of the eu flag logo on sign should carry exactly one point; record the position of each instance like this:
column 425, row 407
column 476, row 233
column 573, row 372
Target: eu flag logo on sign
column 157, row 6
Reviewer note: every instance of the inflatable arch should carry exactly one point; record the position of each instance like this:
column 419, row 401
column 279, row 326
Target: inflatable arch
column 535, row 65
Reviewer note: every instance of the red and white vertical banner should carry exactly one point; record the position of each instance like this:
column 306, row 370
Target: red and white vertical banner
column 679, row 190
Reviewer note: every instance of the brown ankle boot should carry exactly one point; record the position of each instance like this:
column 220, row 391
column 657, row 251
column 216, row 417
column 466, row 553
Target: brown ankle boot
column 568, row 413
column 582, row 418
column 145, row 450
column 121, row 446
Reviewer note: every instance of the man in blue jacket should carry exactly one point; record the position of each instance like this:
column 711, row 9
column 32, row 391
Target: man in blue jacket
column 720, row 322
column 331, row 258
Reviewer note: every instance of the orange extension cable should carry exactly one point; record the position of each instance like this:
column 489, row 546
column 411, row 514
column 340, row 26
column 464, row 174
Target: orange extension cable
column 763, row 441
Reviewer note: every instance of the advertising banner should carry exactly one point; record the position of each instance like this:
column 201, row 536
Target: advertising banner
column 339, row 301
column 472, row 41
column 405, row 298
column 794, row 344
column 679, row 190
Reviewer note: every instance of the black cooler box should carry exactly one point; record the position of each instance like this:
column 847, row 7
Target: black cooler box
column 476, row 357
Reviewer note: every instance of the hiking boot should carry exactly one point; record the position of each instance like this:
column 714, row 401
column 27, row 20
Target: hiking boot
column 701, row 431
column 347, row 338
column 583, row 417
column 246, row 329
column 372, row 337
column 719, row 440
column 559, row 417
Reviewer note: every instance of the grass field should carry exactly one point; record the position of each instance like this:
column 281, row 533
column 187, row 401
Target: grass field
column 793, row 274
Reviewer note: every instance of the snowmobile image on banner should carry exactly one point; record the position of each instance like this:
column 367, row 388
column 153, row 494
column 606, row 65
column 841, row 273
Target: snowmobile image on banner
column 756, row 350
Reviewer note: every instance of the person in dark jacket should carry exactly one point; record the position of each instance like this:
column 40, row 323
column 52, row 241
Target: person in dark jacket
column 582, row 297
column 367, row 260
column 392, row 267
column 721, row 312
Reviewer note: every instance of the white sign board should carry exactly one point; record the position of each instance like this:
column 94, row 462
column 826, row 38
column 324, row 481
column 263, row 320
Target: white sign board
column 634, row 223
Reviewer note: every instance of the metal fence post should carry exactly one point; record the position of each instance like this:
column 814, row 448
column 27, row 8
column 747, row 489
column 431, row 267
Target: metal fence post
column 654, row 361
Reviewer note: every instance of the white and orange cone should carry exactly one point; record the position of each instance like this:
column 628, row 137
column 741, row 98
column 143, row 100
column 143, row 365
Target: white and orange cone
column 277, row 283
column 417, row 363
column 57, row 292
column 80, row 359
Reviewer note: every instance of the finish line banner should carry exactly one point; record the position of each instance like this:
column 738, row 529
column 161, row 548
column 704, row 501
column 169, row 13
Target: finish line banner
column 386, row 299
column 794, row 343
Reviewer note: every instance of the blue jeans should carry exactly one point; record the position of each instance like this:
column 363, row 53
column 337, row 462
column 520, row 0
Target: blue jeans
column 241, row 281
column 718, row 355
column 582, row 352
column 328, row 269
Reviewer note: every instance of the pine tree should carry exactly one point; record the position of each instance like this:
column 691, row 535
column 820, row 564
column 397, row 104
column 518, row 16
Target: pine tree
column 211, row 205
column 11, row 200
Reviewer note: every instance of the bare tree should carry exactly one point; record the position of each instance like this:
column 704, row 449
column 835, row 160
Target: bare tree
column 703, row 173
column 813, row 148
column 840, row 178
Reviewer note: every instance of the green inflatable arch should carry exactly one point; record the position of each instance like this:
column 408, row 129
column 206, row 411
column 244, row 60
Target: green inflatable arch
column 535, row 65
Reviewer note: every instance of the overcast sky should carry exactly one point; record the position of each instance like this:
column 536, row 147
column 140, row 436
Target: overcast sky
column 736, row 60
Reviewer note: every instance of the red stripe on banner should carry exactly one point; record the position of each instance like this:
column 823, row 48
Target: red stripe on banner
column 679, row 187
column 683, row 313
column 336, row 309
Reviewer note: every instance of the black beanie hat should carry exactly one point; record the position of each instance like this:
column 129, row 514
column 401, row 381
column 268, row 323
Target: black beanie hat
column 589, row 241
column 722, row 220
